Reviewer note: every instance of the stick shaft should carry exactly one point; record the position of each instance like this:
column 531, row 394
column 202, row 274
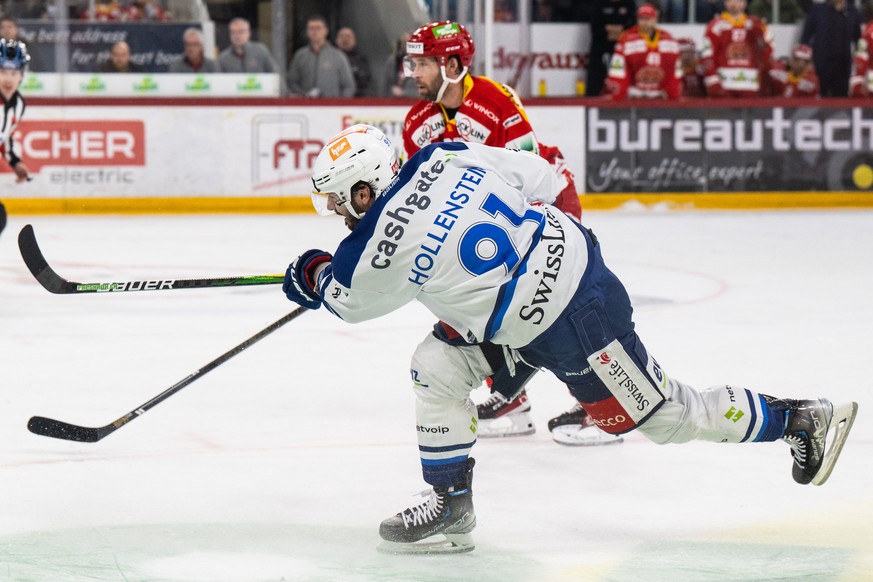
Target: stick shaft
column 62, row 430
column 54, row 283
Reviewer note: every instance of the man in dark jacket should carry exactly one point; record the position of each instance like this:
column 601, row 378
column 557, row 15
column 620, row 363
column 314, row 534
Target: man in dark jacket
column 831, row 29
column 609, row 18
column 347, row 41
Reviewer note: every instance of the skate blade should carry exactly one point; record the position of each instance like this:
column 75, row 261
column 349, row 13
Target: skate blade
column 572, row 435
column 438, row 544
column 841, row 423
column 511, row 425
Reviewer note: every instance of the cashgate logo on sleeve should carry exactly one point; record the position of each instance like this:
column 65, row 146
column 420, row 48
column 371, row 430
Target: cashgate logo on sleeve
column 81, row 143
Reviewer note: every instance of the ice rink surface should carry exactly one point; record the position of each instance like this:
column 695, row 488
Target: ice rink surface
column 280, row 464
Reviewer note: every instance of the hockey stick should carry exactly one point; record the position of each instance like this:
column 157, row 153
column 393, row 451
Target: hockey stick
column 62, row 430
column 54, row 283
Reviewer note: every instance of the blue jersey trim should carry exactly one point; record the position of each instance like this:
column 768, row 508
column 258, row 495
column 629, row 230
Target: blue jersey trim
column 753, row 413
column 444, row 449
column 348, row 253
column 437, row 462
column 507, row 290
column 765, row 413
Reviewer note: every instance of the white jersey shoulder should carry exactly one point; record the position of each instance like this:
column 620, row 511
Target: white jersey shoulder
column 463, row 230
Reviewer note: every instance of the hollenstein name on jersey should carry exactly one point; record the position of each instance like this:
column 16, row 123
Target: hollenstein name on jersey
column 442, row 223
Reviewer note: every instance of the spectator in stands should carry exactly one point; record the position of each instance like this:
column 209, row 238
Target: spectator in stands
column 347, row 41
column 865, row 10
column 736, row 53
column 861, row 84
column 674, row 10
column 645, row 63
column 504, row 11
column 798, row 79
column 8, row 28
column 245, row 55
column 789, row 11
column 560, row 11
column 38, row 10
column 107, row 11
column 319, row 69
column 692, row 71
column 145, row 11
column 119, row 60
column 831, row 29
column 395, row 83
column 135, row 11
column 609, row 18
column 708, row 9
column 193, row 60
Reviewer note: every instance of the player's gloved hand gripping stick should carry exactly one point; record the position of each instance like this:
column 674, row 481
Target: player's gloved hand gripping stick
column 301, row 278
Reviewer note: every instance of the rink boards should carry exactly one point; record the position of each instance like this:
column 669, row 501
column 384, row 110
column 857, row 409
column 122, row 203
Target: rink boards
column 255, row 155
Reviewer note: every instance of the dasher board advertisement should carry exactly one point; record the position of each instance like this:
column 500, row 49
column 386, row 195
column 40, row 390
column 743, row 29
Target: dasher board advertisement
column 742, row 149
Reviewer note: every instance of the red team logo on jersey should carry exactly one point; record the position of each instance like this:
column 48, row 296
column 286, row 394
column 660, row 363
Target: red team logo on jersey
column 604, row 358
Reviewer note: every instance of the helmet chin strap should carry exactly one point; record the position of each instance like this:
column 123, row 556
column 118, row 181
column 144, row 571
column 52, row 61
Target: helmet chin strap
column 447, row 82
column 352, row 211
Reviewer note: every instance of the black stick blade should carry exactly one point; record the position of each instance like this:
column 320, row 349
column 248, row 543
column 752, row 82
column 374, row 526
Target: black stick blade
column 38, row 266
column 61, row 430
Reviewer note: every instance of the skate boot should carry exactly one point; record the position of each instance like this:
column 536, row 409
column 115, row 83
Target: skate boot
column 806, row 430
column 499, row 417
column 576, row 428
column 439, row 525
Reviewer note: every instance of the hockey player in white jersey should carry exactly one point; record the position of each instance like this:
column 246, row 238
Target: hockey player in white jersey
column 458, row 229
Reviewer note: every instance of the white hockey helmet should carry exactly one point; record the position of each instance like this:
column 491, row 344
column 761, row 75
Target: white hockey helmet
column 360, row 153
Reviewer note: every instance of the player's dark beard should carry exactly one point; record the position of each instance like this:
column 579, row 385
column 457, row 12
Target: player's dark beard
column 431, row 91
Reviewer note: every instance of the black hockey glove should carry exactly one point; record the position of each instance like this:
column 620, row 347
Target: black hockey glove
column 300, row 283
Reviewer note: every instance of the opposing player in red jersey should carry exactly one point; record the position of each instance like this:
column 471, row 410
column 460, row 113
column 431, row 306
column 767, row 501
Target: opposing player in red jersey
column 861, row 83
column 736, row 52
column 798, row 79
column 458, row 106
column 646, row 62
column 692, row 70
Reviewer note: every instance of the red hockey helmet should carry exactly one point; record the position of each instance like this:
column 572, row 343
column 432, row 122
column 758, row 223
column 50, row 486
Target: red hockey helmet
column 442, row 40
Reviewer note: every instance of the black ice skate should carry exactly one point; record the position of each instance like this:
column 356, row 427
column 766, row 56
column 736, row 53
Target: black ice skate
column 440, row 525
column 499, row 417
column 806, row 431
column 576, row 428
